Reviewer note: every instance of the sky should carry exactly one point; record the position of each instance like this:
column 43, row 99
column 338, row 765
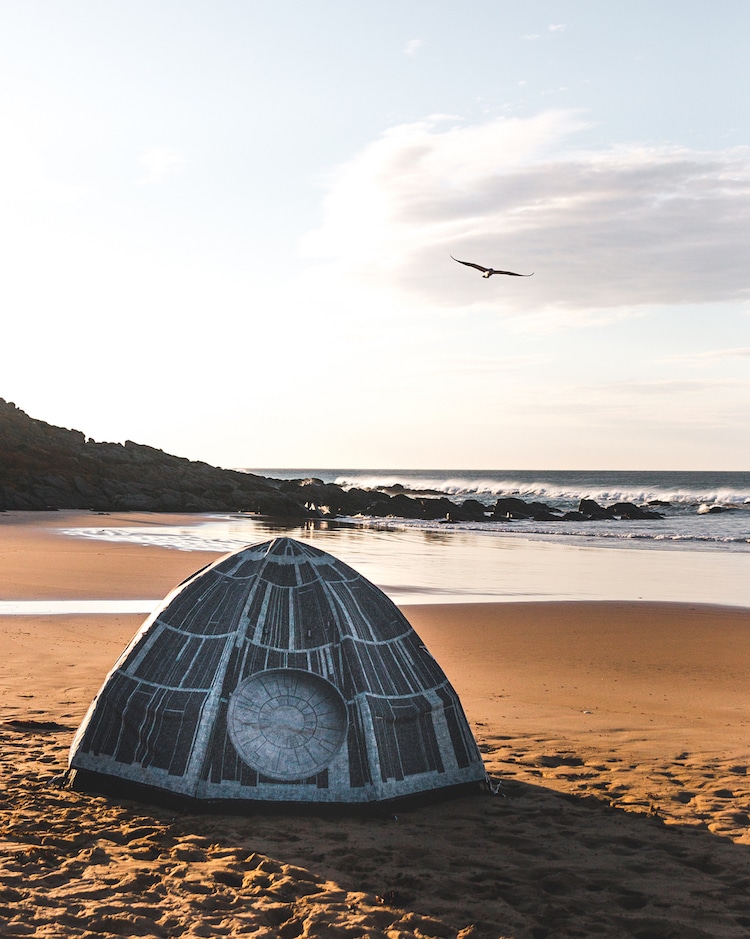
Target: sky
column 226, row 230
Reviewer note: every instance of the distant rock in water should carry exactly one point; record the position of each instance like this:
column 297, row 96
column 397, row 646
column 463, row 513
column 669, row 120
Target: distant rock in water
column 591, row 509
column 626, row 511
column 512, row 507
column 471, row 510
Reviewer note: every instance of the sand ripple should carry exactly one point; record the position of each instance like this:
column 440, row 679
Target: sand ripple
column 573, row 844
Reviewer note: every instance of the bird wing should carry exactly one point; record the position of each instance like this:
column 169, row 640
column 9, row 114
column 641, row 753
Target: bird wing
column 469, row 264
column 511, row 273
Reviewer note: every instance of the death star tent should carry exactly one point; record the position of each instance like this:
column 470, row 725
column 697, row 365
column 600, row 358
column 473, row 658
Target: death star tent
column 279, row 674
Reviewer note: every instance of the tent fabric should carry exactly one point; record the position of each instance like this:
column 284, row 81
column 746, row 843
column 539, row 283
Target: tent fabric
column 278, row 673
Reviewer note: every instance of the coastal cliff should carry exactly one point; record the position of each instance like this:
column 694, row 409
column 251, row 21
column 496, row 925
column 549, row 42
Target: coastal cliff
column 48, row 467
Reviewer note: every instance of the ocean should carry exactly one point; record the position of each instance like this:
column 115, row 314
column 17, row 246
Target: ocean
column 710, row 510
column 698, row 553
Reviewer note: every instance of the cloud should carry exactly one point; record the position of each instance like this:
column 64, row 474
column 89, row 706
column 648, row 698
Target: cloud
column 557, row 27
column 667, row 404
column 663, row 386
column 709, row 355
column 160, row 163
column 413, row 46
column 604, row 230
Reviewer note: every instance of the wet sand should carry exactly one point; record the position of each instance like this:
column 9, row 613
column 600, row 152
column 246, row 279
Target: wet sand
column 618, row 736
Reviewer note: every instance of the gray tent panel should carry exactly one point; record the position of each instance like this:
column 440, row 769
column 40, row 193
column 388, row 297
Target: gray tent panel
column 279, row 674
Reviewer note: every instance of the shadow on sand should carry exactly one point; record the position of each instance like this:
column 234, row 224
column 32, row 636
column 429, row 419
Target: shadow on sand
column 526, row 863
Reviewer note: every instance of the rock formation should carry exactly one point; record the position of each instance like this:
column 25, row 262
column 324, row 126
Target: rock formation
column 48, row 467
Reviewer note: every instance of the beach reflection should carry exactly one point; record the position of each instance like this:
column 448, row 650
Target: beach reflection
column 421, row 566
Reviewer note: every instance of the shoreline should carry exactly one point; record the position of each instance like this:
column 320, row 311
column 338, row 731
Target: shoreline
column 616, row 732
column 410, row 565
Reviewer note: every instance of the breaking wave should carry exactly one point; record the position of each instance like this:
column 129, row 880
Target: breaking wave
column 700, row 509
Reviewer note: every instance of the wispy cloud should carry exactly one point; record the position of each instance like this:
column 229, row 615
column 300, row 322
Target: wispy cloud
column 660, row 387
column 160, row 163
column 413, row 46
column 620, row 228
column 709, row 355
column 667, row 404
column 552, row 28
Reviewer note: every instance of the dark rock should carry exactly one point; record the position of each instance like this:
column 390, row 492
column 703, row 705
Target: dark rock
column 512, row 507
column 56, row 482
column 169, row 500
column 359, row 499
column 138, row 503
column 405, row 507
column 292, row 485
column 543, row 512
column 378, row 508
column 471, row 510
column 328, row 498
column 437, row 508
column 628, row 511
column 83, row 487
column 277, row 504
column 592, row 508
column 625, row 511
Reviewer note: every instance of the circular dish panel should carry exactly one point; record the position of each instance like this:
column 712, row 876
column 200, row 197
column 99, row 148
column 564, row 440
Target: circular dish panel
column 287, row 724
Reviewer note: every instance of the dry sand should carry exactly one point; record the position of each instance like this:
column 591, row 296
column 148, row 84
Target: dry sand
column 618, row 733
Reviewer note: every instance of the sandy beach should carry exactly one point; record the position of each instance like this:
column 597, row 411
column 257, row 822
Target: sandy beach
column 617, row 735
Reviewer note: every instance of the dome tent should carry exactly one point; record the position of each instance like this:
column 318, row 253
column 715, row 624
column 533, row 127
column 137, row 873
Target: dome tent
column 277, row 673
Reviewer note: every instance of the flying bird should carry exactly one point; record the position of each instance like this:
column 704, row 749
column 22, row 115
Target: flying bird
column 489, row 271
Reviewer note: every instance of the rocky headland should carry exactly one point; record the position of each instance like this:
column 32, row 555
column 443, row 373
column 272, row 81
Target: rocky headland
column 44, row 467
